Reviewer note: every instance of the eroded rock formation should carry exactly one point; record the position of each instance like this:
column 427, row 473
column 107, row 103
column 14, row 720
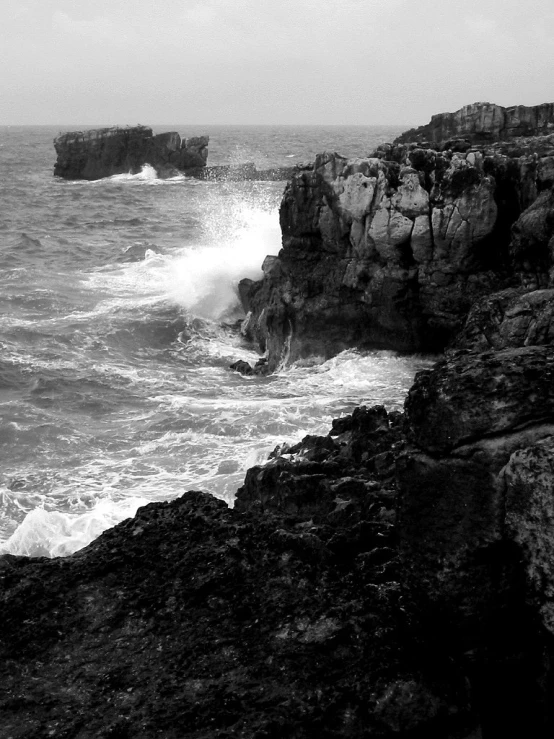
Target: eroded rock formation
column 91, row 155
column 94, row 154
column 484, row 122
column 392, row 250
column 282, row 618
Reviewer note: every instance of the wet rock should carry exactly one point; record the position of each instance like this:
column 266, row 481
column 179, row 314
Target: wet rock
column 195, row 620
column 510, row 318
column 514, row 388
column 93, row 154
column 243, row 367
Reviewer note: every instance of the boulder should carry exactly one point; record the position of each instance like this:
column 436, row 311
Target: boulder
column 509, row 318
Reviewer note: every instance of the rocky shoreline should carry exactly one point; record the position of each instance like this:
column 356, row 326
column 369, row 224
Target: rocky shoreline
column 394, row 578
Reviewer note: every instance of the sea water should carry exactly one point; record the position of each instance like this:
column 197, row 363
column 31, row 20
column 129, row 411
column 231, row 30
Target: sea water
column 117, row 300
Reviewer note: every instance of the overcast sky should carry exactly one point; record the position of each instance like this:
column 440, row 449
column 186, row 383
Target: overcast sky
column 269, row 61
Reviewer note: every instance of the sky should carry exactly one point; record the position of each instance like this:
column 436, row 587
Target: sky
column 368, row 62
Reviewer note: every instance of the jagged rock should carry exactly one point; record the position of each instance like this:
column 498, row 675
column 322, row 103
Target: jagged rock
column 392, row 251
column 483, row 122
column 91, row 155
column 533, row 242
column 514, row 387
column 195, row 620
column 245, row 368
column 527, row 485
column 475, row 521
column 509, row 318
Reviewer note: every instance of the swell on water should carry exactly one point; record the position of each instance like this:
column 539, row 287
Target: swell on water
column 117, row 304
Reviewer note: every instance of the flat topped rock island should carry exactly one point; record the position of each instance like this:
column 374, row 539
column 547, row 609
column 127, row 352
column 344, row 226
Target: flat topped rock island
column 103, row 152
column 392, row 579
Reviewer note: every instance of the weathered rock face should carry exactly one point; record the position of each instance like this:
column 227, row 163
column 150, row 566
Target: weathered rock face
column 510, row 318
column 475, row 518
column 484, row 122
column 91, row 155
column 281, row 618
column 391, row 251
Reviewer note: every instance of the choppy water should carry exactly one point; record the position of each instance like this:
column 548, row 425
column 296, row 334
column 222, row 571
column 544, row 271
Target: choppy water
column 114, row 351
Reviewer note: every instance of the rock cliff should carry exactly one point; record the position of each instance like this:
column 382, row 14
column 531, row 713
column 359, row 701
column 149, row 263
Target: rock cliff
column 392, row 250
column 91, row 155
column 480, row 123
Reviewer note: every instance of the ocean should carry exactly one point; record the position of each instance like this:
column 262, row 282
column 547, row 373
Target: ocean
column 117, row 304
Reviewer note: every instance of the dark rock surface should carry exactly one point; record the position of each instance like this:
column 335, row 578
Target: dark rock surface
column 281, row 618
column 391, row 579
column 483, row 122
column 91, row 155
column 509, row 318
column 475, row 523
column 391, row 251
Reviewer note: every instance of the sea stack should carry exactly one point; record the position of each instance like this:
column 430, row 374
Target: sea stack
column 91, row 155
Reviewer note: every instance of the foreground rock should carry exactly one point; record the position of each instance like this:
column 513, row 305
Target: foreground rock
column 281, row 618
column 484, row 122
column 391, row 251
column 476, row 533
column 391, row 579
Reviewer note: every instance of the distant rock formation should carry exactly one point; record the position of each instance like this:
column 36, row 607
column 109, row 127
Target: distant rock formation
column 91, row 155
column 480, row 123
column 391, row 251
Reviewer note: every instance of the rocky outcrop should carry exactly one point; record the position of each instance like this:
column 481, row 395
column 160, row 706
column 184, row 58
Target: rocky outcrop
column 392, row 579
column 91, row 155
column 475, row 523
column 480, row 123
column 281, row 618
column 510, row 318
column 391, row 251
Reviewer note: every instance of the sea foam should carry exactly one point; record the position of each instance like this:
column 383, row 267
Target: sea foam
column 45, row 533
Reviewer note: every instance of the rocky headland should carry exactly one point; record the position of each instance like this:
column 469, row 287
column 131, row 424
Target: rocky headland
column 392, row 579
column 103, row 152
column 392, row 250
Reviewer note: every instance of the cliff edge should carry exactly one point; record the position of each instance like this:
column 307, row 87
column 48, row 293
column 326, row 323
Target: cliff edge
column 392, row 250
column 480, row 123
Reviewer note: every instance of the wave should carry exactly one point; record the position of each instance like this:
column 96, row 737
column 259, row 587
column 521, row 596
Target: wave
column 201, row 278
column 45, row 533
column 147, row 174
